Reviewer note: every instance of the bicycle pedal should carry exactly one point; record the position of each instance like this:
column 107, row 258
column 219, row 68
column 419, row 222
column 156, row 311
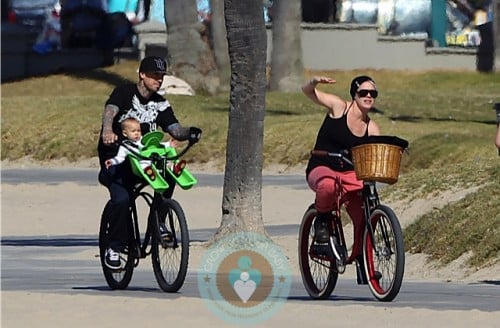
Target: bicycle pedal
column 167, row 241
column 322, row 251
column 117, row 270
column 340, row 267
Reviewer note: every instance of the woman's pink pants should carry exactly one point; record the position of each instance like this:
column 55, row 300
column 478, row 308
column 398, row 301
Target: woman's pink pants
column 333, row 188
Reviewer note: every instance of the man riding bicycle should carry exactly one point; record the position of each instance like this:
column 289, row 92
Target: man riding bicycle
column 140, row 101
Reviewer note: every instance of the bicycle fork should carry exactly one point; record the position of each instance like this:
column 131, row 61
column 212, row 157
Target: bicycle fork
column 370, row 201
column 140, row 247
column 337, row 243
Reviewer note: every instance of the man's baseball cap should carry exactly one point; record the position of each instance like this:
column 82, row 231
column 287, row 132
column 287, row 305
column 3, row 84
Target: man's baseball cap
column 152, row 64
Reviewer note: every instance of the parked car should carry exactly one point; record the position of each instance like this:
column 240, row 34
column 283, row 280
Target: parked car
column 32, row 13
column 87, row 24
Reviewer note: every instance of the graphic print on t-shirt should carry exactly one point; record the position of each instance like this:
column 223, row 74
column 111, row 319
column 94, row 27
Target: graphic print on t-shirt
column 145, row 113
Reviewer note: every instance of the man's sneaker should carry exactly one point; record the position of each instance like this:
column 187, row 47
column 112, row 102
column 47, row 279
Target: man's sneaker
column 321, row 234
column 112, row 259
column 165, row 234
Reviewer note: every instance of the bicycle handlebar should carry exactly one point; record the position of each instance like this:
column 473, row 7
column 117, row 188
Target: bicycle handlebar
column 156, row 156
column 324, row 153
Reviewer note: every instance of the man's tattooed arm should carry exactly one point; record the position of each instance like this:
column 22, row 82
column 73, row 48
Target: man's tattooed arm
column 178, row 132
column 110, row 111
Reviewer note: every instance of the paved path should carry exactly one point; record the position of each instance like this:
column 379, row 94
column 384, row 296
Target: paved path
column 57, row 266
column 89, row 177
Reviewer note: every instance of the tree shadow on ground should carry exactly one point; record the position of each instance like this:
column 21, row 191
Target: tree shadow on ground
column 415, row 119
column 490, row 282
column 99, row 75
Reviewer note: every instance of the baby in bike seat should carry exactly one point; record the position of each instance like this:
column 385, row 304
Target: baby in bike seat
column 131, row 130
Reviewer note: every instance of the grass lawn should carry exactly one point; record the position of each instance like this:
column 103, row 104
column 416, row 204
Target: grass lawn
column 447, row 116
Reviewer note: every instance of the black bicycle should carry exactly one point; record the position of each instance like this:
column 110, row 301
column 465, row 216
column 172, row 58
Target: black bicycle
column 379, row 255
column 166, row 236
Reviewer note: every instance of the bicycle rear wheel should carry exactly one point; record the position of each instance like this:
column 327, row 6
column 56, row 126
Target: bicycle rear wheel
column 120, row 278
column 319, row 275
column 170, row 256
column 384, row 255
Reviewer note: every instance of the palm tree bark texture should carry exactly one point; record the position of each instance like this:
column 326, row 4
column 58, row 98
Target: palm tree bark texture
column 242, row 191
column 287, row 68
column 189, row 57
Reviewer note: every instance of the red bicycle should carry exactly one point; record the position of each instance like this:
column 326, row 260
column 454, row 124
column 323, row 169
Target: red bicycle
column 382, row 260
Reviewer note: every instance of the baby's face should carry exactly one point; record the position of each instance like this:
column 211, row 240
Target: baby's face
column 132, row 131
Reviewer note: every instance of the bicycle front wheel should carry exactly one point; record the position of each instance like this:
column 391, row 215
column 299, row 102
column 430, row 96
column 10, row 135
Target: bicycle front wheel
column 384, row 255
column 319, row 274
column 119, row 278
column 170, row 253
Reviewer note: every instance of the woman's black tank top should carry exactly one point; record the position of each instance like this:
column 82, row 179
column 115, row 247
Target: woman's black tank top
column 334, row 136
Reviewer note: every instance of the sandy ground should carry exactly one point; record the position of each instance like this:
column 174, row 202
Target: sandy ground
column 47, row 210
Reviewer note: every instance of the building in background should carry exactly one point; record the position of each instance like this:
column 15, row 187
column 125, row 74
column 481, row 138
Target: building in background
column 410, row 18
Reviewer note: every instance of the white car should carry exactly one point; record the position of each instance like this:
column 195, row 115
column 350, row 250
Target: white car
column 32, row 13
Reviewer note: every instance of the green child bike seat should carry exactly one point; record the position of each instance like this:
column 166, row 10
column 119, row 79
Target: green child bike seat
column 152, row 145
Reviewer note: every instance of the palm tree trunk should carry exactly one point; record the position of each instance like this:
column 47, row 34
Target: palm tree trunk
column 219, row 37
column 496, row 34
column 242, row 192
column 190, row 58
column 287, row 68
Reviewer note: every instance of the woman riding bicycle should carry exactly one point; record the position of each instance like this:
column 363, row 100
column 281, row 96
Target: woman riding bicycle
column 140, row 101
column 346, row 124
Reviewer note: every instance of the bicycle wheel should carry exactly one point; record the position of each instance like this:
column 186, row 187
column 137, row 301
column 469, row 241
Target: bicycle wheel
column 384, row 256
column 120, row 278
column 319, row 275
column 170, row 256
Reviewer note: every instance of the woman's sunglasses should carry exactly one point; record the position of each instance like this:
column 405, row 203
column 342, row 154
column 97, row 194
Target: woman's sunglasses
column 364, row 93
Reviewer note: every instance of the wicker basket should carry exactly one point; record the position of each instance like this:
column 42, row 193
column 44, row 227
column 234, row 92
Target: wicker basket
column 377, row 162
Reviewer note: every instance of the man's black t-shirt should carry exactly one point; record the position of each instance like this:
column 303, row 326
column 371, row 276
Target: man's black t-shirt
column 151, row 113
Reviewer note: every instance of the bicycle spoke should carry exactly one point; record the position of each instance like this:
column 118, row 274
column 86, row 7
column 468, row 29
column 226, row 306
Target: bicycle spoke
column 386, row 237
column 120, row 278
column 170, row 257
column 318, row 275
column 384, row 254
